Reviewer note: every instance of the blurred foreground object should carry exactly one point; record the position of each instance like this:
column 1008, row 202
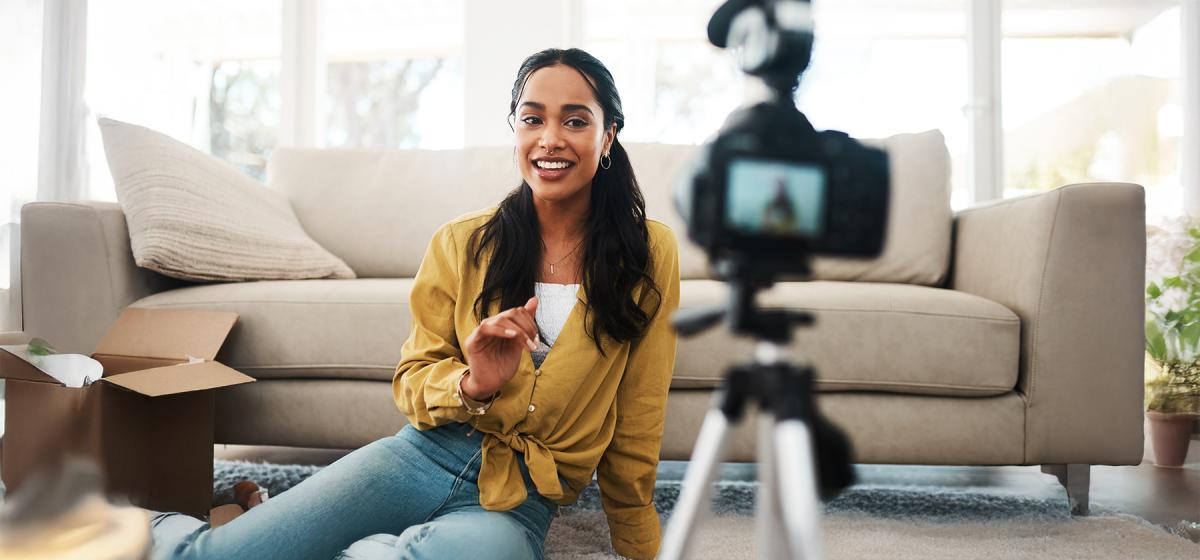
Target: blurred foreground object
column 61, row 514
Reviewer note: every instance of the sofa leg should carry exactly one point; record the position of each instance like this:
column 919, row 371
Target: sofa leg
column 1076, row 478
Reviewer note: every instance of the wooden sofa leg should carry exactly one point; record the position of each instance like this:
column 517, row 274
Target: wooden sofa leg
column 1076, row 478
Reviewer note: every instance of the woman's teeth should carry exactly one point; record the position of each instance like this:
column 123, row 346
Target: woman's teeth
column 553, row 164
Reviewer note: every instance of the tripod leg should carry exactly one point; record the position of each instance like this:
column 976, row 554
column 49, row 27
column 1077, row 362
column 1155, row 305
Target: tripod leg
column 798, row 493
column 697, row 485
column 772, row 537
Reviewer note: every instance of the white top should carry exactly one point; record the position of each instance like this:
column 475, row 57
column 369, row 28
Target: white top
column 555, row 302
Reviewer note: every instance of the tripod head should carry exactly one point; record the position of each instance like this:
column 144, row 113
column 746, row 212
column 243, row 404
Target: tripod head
column 771, row 325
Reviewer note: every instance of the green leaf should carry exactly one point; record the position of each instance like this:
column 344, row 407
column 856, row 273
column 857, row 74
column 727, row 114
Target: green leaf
column 1153, row 291
column 1172, row 282
column 1190, row 337
column 39, row 347
column 1155, row 345
column 1193, row 256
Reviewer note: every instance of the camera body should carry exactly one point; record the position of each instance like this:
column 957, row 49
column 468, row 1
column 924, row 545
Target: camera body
column 769, row 190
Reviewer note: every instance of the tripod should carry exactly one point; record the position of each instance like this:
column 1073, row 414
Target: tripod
column 802, row 457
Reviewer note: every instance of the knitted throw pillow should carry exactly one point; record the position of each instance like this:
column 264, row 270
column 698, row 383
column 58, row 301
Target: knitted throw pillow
column 194, row 217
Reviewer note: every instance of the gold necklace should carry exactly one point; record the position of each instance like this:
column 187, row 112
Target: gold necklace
column 577, row 245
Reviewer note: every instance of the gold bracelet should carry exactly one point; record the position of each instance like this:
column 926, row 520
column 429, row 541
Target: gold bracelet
column 478, row 409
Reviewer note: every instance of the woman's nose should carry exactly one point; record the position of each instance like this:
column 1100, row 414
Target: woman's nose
column 551, row 139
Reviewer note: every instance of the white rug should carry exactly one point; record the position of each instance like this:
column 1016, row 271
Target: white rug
column 903, row 522
column 580, row 535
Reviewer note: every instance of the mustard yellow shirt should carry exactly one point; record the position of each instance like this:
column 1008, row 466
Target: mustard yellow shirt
column 580, row 413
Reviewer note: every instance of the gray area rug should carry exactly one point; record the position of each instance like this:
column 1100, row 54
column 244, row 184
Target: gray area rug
column 865, row 522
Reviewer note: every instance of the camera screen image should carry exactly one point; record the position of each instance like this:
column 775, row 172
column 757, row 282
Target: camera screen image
column 775, row 198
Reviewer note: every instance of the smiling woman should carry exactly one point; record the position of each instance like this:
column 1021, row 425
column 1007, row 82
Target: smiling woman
column 513, row 403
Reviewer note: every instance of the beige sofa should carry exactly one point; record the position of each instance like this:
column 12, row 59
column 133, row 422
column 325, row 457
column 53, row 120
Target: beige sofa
column 1025, row 350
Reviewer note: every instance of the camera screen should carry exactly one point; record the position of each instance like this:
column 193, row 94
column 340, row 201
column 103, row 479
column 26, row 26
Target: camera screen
column 767, row 197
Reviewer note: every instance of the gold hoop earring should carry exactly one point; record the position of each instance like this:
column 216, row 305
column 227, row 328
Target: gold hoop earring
column 602, row 158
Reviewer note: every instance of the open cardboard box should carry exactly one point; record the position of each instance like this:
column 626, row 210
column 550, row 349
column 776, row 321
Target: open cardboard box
column 148, row 421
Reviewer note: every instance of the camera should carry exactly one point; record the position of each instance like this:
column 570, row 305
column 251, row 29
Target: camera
column 769, row 190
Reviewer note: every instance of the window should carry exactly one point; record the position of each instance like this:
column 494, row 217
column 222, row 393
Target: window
column 204, row 73
column 878, row 68
column 675, row 86
column 393, row 74
column 1091, row 93
column 884, row 68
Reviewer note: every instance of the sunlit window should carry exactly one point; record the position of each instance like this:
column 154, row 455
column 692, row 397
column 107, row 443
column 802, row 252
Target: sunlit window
column 204, row 73
column 883, row 68
column 393, row 74
column 878, row 68
column 675, row 86
column 1091, row 93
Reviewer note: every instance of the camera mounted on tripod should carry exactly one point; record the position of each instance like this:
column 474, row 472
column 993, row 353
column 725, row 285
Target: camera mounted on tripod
column 762, row 198
column 770, row 191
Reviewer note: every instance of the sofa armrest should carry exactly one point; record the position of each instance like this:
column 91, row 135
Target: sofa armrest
column 1070, row 263
column 77, row 272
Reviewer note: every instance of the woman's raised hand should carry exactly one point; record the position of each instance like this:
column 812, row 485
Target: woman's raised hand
column 494, row 349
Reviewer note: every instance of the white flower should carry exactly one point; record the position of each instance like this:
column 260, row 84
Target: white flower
column 1166, row 245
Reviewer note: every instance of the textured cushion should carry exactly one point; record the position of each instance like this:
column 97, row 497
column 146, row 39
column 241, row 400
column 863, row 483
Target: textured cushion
column 377, row 209
column 870, row 337
column 195, row 217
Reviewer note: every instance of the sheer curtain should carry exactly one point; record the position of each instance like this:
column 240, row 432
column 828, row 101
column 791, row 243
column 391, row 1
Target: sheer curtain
column 43, row 49
column 20, row 103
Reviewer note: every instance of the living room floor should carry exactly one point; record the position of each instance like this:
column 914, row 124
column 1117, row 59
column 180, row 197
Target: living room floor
column 1160, row 495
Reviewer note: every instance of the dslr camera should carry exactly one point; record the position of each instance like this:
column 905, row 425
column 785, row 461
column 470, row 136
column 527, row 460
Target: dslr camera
column 769, row 190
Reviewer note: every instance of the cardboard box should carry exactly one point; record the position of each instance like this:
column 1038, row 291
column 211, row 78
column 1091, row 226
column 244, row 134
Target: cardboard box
column 148, row 421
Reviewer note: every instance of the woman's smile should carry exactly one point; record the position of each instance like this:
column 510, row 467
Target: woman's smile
column 552, row 168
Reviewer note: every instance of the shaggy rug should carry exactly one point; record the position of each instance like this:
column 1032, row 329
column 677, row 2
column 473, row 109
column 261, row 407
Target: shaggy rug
column 865, row 522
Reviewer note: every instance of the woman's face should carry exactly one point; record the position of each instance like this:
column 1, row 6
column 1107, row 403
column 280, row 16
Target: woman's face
column 560, row 134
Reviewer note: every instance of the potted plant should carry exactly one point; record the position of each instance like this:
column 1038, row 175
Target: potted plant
column 1173, row 342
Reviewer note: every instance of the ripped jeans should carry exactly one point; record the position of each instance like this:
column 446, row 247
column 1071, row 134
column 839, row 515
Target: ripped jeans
column 410, row 496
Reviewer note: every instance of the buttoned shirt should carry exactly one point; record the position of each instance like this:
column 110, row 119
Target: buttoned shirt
column 581, row 412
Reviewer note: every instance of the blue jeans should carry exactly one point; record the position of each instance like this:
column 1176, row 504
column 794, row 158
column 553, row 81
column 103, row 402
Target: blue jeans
column 410, row 496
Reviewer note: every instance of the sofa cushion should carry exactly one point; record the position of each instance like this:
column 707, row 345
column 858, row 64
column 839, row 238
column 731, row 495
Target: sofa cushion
column 287, row 329
column 377, row 209
column 870, row 337
column 194, row 217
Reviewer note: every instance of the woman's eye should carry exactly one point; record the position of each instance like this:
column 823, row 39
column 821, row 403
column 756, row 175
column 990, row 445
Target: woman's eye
column 576, row 123
column 531, row 120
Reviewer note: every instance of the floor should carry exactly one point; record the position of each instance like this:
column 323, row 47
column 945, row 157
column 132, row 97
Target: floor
column 1160, row 495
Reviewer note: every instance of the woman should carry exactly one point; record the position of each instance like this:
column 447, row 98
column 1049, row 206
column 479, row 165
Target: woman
column 515, row 393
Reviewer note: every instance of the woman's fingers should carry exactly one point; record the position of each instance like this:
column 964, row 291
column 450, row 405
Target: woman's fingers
column 514, row 330
column 525, row 321
column 486, row 332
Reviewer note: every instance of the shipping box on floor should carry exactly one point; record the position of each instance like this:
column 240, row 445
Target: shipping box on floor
column 148, row 421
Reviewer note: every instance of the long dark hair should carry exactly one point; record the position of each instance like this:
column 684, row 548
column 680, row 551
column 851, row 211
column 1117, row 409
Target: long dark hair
column 616, row 252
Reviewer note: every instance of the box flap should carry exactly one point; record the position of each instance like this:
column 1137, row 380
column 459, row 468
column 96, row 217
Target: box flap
column 182, row 378
column 14, row 365
column 167, row 333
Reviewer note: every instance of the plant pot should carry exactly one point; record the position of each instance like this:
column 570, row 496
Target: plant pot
column 1171, row 434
